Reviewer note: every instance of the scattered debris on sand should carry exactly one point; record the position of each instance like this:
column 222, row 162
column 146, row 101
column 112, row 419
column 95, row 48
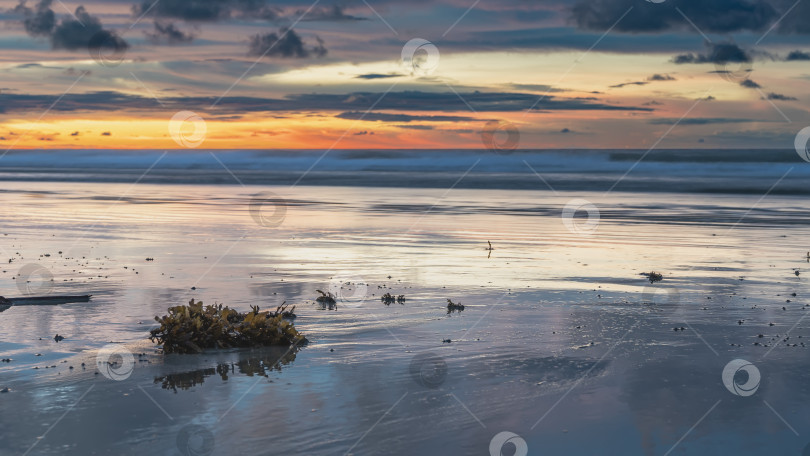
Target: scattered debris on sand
column 653, row 276
column 326, row 299
column 453, row 307
column 389, row 299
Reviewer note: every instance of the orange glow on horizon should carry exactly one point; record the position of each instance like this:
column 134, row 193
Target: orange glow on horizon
column 299, row 132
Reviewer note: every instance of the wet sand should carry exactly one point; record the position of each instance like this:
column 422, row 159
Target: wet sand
column 561, row 342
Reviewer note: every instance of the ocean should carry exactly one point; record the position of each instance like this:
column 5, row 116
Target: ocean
column 680, row 171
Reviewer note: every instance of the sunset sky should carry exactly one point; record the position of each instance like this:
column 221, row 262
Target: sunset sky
column 292, row 74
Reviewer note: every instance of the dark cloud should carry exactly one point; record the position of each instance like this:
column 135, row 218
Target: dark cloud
column 780, row 97
column 413, row 101
column 106, row 133
column 797, row 20
column 452, row 102
column 75, row 34
column 333, row 13
column 377, row 76
column 720, row 53
column 661, row 77
column 219, row 10
column 382, row 117
column 797, row 56
column 619, row 86
column 167, row 32
column 39, row 21
column 653, row 78
column 288, row 45
column 749, row 84
column 561, row 38
column 720, row 16
column 207, row 10
column 701, row 121
column 416, row 127
column 72, row 33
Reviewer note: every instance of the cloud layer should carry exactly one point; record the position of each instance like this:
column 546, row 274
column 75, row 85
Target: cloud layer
column 710, row 16
column 347, row 104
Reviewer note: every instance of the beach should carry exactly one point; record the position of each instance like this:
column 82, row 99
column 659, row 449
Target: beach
column 385, row 228
column 562, row 341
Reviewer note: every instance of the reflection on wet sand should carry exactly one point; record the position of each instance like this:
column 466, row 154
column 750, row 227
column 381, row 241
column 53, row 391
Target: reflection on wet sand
column 255, row 362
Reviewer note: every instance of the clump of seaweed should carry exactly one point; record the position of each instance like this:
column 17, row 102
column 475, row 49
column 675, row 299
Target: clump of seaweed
column 453, row 307
column 195, row 327
column 389, row 299
column 653, row 276
column 282, row 310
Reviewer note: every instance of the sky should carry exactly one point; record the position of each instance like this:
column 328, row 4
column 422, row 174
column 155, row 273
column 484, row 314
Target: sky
column 371, row 74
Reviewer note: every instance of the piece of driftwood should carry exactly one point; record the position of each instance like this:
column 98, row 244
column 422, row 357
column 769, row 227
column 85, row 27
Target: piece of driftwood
column 5, row 303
